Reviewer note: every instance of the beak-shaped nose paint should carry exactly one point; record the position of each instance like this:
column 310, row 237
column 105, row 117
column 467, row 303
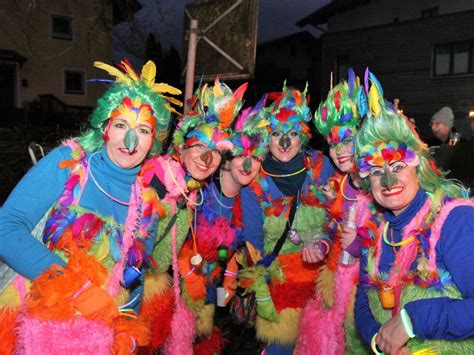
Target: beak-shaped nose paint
column 338, row 148
column 285, row 141
column 389, row 178
column 206, row 157
column 130, row 140
column 248, row 165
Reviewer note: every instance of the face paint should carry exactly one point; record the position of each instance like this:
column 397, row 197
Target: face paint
column 206, row 157
column 389, row 178
column 247, row 164
column 137, row 114
column 285, row 141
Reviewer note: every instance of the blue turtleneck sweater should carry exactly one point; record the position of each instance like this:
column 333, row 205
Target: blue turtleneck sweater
column 433, row 318
column 39, row 190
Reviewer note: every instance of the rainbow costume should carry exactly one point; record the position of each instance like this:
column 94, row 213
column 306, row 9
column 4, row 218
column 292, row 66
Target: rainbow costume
column 327, row 320
column 267, row 204
column 418, row 265
column 97, row 239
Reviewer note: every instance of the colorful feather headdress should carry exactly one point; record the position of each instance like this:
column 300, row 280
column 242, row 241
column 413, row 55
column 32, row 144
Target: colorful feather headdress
column 247, row 139
column 385, row 136
column 214, row 110
column 289, row 111
column 338, row 117
column 133, row 92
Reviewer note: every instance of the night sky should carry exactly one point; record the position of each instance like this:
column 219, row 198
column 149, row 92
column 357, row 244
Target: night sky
column 164, row 18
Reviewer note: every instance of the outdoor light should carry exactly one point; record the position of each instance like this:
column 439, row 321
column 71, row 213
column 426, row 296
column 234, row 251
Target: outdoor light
column 471, row 114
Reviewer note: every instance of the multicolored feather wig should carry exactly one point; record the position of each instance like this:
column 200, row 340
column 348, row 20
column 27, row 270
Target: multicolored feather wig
column 132, row 93
column 338, row 117
column 214, row 110
column 247, row 140
column 387, row 136
column 289, row 111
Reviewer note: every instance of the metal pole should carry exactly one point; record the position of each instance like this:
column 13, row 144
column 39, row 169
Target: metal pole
column 191, row 62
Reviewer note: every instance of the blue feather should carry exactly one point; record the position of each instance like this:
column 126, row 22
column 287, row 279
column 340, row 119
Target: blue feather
column 351, row 81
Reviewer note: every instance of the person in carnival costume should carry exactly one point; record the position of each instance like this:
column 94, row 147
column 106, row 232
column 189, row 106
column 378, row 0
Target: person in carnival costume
column 80, row 286
column 199, row 141
column 218, row 229
column 288, row 180
column 327, row 319
column 416, row 289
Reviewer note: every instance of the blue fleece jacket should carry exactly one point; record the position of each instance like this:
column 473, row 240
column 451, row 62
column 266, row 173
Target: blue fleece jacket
column 38, row 191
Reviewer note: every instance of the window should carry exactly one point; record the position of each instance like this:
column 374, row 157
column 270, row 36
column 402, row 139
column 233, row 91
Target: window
column 431, row 12
column 74, row 82
column 61, row 27
column 454, row 59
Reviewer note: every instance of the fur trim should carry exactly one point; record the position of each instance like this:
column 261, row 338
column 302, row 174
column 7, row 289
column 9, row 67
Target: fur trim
column 205, row 320
column 8, row 334
column 129, row 335
column 321, row 330
column 51, row 293
column 298, row 285
column 438, row 225
column 77, row 336
column 283, row 331
column 158, row 307
column 211, row 345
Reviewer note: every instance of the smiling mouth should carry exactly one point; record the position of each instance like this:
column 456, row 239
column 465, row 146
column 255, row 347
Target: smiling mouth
column 244, row 173
column 126, row 152
column 396, row 190
column 201, row 167
column 285, row 150
column 344, row 159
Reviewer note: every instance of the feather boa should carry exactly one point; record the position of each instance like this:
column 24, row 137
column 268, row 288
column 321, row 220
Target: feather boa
column 78, row 336
column 321, row 330
column 212, row 344
column 181, row 338
column 8, row 335
column 213, row 234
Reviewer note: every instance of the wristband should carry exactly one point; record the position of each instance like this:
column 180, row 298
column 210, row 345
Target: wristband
column 407, row 324
column 373, row 345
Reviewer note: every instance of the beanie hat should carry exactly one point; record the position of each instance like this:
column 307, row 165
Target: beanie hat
column 444, row 116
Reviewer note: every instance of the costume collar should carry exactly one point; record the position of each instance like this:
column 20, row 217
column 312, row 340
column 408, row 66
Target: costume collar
column 400, row 221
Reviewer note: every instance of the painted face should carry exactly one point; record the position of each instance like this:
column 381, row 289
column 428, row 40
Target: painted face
column 440, row 130
column 115, row 135
column 285, row 146
column 244, row 169
column 199, row 160
column 394, row 185
column 342, row 154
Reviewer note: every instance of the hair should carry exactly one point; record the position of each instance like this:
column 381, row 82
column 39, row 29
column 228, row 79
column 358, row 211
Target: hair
column 92, row 140
column 339, row 109
column 389, row 126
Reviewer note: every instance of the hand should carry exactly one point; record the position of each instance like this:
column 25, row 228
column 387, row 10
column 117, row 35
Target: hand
column 312, row 255
column 392, row 337
column 328, row 192
column 95, row 303
column 348, row 235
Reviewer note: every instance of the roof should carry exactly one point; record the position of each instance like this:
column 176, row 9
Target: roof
column 322, row 15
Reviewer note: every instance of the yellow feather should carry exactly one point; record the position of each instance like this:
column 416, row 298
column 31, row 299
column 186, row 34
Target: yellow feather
column 254, row 253
column 171, row 109
column 374, row 102
column 262, row 123
column 121, row 77
column 149, row 73
column 217, row 90
column 129, row 70
column 172, row 100
column 103, row 249
column 162, row 87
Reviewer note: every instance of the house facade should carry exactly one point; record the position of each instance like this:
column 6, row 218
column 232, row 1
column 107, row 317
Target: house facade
column 422, row 52
column 47, row 49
